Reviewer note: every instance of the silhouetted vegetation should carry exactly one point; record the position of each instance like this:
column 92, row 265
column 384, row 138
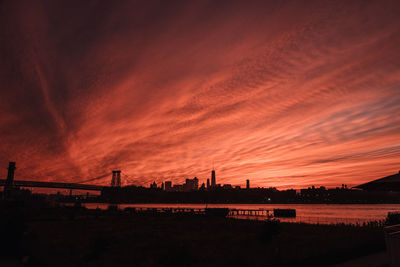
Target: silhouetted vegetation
column 12, row 227
column 75, row 236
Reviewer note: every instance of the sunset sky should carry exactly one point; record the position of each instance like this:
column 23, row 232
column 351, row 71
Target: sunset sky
column 285, row 93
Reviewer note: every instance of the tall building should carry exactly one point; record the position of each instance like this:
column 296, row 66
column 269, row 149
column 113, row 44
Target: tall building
column 195, row 183
column 213, row 182
column 191, row 184
column 168, row 186
column 247, row 184
column 208, row 183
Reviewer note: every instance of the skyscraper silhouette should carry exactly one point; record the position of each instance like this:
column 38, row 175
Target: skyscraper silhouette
column 213, row 182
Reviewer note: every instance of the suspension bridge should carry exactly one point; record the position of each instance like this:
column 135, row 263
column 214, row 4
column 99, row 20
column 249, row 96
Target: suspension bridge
column 11, row 183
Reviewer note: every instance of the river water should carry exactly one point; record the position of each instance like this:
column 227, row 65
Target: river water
column 308, row 213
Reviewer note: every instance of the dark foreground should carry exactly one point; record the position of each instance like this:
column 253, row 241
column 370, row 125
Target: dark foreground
column 78, row 237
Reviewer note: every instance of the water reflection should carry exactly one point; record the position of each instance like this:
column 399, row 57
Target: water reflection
column 308, row 213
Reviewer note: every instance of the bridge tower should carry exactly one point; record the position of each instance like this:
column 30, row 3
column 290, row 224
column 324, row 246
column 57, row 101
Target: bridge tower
column 116, row 179
column 10, row 176
column 9, row 184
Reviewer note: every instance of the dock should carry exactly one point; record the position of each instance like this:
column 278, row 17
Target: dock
column 251, row 212
column 269, row 213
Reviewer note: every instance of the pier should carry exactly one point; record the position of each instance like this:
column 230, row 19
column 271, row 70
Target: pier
column 251, row 212
column 269, row 213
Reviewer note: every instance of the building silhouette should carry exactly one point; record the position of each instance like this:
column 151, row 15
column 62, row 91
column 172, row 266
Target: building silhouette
column 168, row 186
column 227, row 186
column 178, row 188
column 213, row 181
column 153, row 185
column 203, row 186
column 208, row 183
column 191, row 184
column 247, row 184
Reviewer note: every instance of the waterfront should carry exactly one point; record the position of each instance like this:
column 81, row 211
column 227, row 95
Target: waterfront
column 87, row 238
column 42, row 232
column 308, row 213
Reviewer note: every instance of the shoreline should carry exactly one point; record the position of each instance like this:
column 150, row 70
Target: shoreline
column 83, row 236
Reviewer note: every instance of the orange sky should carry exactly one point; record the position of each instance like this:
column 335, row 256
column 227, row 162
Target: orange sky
column 284, row 93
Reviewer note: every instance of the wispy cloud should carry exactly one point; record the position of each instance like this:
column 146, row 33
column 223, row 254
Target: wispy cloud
column 285, row 94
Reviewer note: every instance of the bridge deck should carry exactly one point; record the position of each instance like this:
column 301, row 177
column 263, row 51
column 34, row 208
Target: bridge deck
column 54, row 185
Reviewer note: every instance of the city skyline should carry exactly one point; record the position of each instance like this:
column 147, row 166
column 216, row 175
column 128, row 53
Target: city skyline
column 284, row 94
column 388, row 182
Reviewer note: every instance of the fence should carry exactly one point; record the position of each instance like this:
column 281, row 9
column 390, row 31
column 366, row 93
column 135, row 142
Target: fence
column 318, row 220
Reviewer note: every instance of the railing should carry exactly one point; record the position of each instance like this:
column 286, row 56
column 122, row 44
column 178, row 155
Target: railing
column 318, row 220
column 392, row 238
